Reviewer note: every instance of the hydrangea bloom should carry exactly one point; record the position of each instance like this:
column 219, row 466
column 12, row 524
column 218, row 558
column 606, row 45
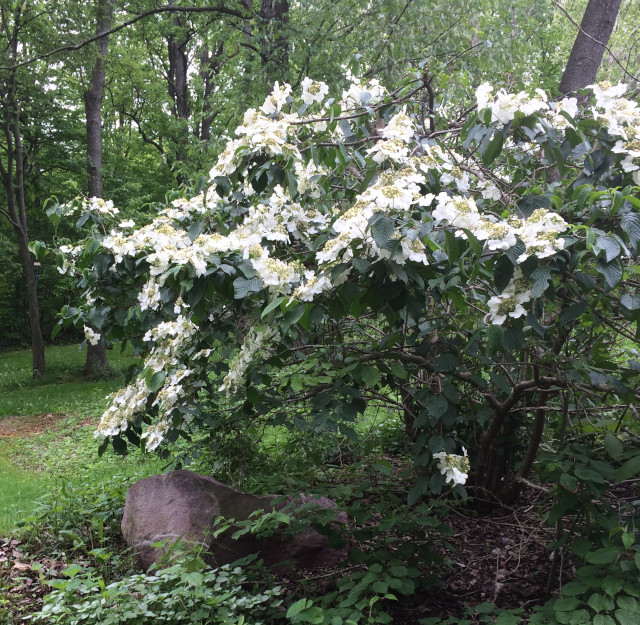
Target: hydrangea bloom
column 455, row 468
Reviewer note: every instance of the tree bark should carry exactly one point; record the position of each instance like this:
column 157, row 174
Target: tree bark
column 13, row 181
column 178, row 66
column 588, row 49
column 96, row 361
column 274, row 44
column 210, row 64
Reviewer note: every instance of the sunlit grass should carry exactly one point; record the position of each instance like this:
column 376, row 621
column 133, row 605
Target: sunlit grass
column 41, row 451
column 62, row 389
column 18, row 490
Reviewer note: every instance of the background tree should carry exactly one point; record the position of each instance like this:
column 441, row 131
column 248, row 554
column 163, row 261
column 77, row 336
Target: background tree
column 12, row 167
column 588, row 49
column 96, row 360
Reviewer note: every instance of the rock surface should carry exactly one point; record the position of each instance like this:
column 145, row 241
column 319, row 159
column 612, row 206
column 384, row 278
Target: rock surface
column 182, row 505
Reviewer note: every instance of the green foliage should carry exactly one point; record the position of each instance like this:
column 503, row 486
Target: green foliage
column 75, row 518
column 186, row 591
column 606, row 591
column 483, row 613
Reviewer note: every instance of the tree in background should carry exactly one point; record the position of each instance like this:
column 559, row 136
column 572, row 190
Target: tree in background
column 588, row 49
column 12, row 166
column 96, row 360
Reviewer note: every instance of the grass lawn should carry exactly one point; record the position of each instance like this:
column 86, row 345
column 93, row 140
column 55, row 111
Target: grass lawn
column 47, row 425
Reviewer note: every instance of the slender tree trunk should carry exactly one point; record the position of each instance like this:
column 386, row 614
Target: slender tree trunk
column 586, row 55
column 210, row 64
column 13, row 181
column 96, row 361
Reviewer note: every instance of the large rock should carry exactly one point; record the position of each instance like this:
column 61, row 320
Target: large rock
column 182, row 505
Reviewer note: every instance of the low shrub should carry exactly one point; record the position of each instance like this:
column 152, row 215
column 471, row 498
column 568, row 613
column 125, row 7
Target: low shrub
column 185, row 592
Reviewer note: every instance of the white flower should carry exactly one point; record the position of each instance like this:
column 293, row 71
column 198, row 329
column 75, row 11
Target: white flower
column 400, row 128
column 278, row 98
column 252, row 344
column 91, row 336
column 455, row 468
column 313, row 91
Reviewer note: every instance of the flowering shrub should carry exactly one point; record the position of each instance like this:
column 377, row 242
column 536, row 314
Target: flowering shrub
column 343, row 251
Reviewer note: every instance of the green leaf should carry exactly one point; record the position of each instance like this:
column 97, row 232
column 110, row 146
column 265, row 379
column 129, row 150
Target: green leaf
column 631, row 225
column 445, row 362
column 588, row 475
column 508, row 619
column 272, row 306
column 493, row 149
column 613, row 445
column 610, row 247
column 612, row 272
column 243, row 286
column 541, row 277
column 155, row 381
column 196, row 292
column 565, row 604
column 603, row 619
column 293, row 315
column 495, row 334
column 569, row 482
column 599, row 603
column 370, row 375
column 629, row 469
column 571, row 313
column 502, row 272
column 611, row 585
column 436, row 405
column 513, row 339
column 631, row 302
column 382, row 230
column 417, row 490
column 627, row 603
column 530, row 203
column 627, row 617
column 604, row 555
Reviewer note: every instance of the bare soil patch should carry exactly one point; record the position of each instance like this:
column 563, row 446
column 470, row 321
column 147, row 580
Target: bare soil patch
column 17, row 426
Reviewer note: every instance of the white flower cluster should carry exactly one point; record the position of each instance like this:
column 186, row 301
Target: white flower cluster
column 396, row 134
column 455, row 468
column 277, row 99
column 169, row 340
column 102, row 207
column 313, row 91
column 70, row 255
column 253, row 342
column 91, row 336
column 509, row 302
column 360, row 93
column 622, row 117
column 539, row 232
column 504, row 106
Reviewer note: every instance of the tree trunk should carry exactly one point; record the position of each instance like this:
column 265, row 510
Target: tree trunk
column 13, row 181
column 586, row 55
column 178, row 66
column 274, row 44
column 96, row 361
column 210, row 64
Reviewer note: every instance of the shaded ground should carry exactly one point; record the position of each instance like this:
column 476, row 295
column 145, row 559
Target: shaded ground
column 12, row 427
